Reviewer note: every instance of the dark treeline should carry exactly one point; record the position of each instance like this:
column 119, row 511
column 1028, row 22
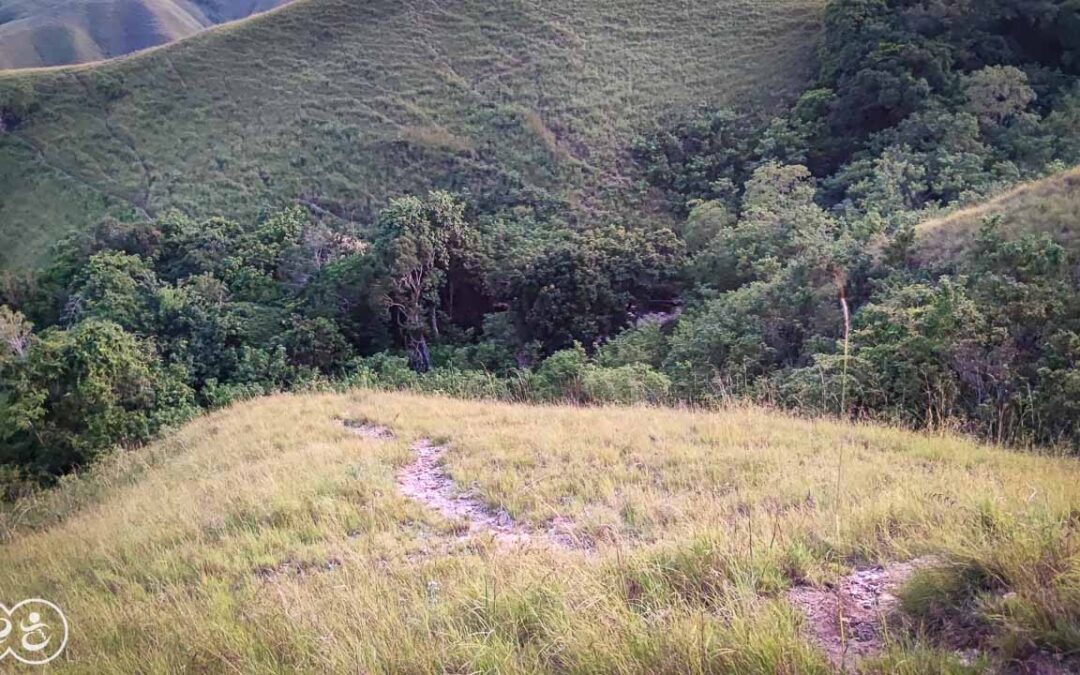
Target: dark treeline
column 782, row 223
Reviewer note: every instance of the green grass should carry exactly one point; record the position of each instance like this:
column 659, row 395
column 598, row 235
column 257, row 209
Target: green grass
column 1050, row 206
column 347, row 103
column 268, row 538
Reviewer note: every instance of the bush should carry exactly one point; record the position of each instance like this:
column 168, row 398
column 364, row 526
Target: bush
column 643, row 344
column 464, row 384
column 17, row 101
column 317, row 344
column 633, row 383
column 560, row 376
column 78, row 392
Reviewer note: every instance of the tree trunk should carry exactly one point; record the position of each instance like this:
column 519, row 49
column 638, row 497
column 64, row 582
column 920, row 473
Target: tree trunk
column 421, row 358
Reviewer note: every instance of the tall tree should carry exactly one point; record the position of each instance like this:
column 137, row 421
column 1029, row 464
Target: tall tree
column 418, row 241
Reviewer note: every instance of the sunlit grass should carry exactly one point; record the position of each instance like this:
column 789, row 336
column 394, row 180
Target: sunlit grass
column 269, row 538
column 1050, row 206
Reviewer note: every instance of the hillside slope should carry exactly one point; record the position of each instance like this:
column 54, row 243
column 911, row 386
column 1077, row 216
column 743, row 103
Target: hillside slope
column 1050, row 206
column 35, row 33
column 290, row 534
column 343, row 103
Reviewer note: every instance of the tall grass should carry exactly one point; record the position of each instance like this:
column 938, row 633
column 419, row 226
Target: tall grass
column 268, row 538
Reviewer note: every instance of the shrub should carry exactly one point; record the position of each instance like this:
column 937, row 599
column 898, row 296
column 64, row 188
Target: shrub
column 643, row 344
column 633, row 383
column 560, row 376
column 78, row 392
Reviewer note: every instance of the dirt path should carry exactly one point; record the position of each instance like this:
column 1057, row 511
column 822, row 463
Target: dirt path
column 848, row 620
column 425, row 481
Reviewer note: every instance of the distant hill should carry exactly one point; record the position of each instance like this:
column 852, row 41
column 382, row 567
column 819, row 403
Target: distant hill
column 36, row 33
column 1050, row 206
column 343, row 103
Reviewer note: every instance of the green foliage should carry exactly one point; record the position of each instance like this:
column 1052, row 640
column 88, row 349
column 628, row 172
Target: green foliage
column 18, row 100
column 998, row 95
column 990, row 351
column 561, row 375
column 632, row 383
column 705, row 221
column 719, row 348
column 702, row 155
column 916, row 108
column 778, row 219
column 646, row 343
column 567, row 376
column 585, row 288
column 116, row 287
column 316, row 343
column 341, row 292
column 418, row 243
column 77, row 392
column 796, row 264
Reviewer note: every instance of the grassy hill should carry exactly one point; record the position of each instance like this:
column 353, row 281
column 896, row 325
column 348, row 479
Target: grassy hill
column 36, row 33
column 1050, row 206
column 275, row 537
column 344, row 103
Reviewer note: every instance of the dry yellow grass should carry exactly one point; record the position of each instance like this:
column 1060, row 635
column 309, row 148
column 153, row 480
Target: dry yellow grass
column 1050, row 206
column 269, row 538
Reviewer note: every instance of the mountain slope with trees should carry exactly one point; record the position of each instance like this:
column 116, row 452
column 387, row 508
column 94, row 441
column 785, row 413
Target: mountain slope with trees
column 792, row 274
column 341, row 105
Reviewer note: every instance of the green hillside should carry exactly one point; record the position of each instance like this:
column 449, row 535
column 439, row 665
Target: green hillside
column 343, row 103
column 36, row 33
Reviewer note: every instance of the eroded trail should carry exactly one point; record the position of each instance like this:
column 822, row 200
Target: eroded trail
column 424, row 480
column 848, row 621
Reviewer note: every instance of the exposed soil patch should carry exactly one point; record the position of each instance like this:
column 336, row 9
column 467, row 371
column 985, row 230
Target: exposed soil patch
column 296, row 568
column 368, row 430
column 425, row 481
column 848, row 620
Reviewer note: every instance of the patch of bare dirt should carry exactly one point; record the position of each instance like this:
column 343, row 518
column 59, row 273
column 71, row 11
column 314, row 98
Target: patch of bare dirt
column 296, row 568
column 368, row 430
column 848, row 620
column 425, row 481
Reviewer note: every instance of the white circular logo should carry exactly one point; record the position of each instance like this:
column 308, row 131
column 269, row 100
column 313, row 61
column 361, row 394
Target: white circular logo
column 34, row 631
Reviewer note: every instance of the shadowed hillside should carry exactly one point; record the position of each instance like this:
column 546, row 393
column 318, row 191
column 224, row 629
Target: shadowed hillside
column 345, row 103
column 37, row 33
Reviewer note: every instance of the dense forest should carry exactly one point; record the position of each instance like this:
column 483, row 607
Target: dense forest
column 788, row 276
